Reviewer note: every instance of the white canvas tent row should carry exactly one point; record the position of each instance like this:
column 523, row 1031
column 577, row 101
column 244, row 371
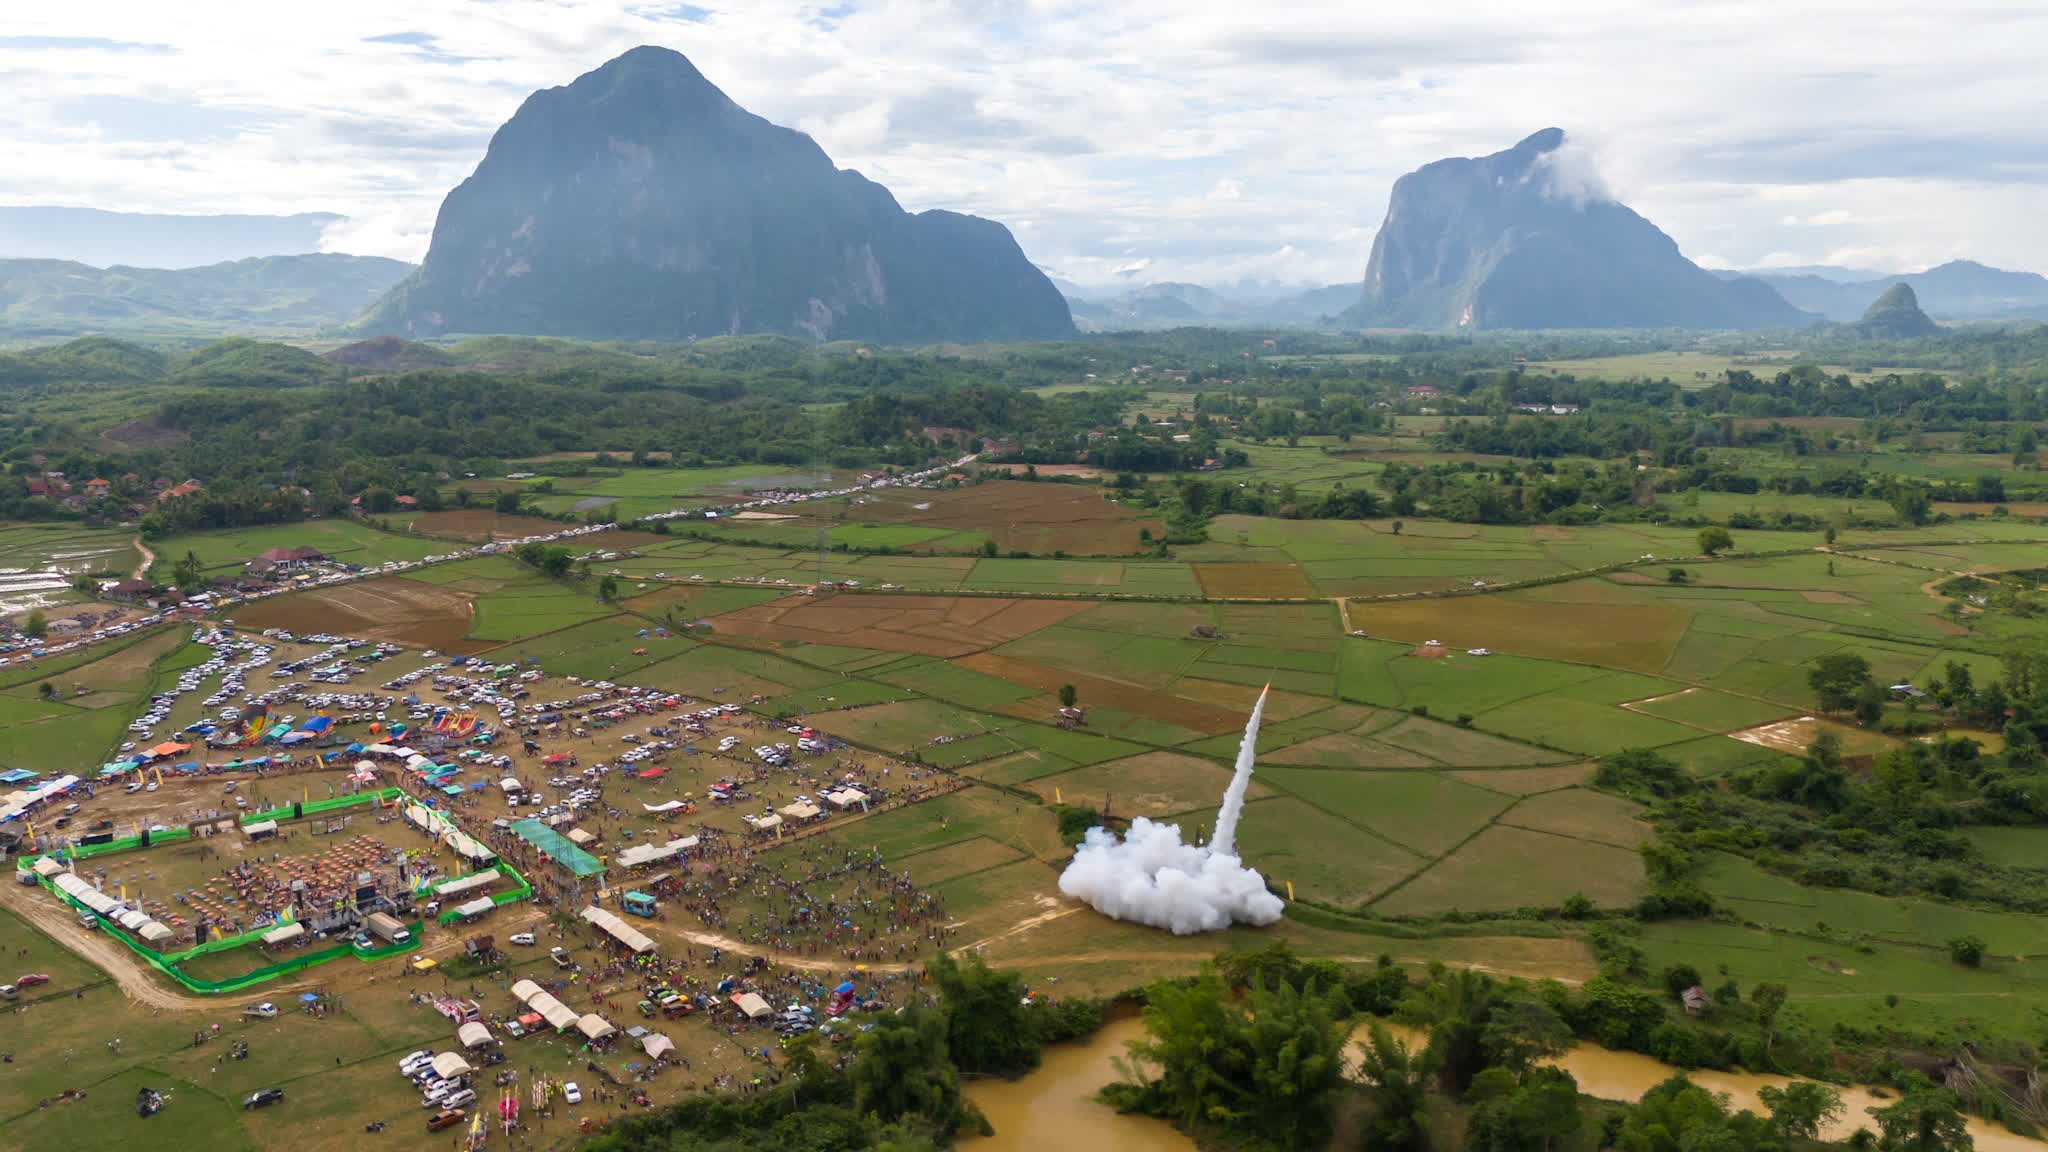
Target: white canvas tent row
column 525, row 990
column 46, row 867
column 474, row 1034
column 799, row 811
column 594, row 1027
column 466, row 884
column 154, row 934
column 846, row 797
column 763, row 823
column 476, row 907
column 558, row 1015
column 137, row 922
column 130, row 919
column 259, row 828
column 18, row 803
column 449, row 1064
column 618, row 929
column 283, row 934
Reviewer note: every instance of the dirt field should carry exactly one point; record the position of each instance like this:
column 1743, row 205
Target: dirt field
column 1254, row 581
column 1098, row 692
column 923, row 625
column 1635, row 636
column 481, row 524
column 1018, row 515
column 395, row 608
column 1793, row 736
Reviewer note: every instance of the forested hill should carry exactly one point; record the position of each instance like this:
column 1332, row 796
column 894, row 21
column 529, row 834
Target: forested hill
column 40, row 299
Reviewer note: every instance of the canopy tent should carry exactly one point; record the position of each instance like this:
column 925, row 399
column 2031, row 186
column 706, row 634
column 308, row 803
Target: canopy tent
column 468, row 847
column 580, row 838
column 23, row 775
column 594, row 1027
column 554, row 847
column 654, row 1044
column 130, row 919
column 450, row 1064
column 476, row 907
column 671, row 806
column 763, row 823
column 284, row 933
column 154, row 934
column 557, row 1014
column 618, row 929
column 470, row 883
column 847, row 797
column 801, row 810
column 474, row 1034
column 259, row 828
column 640, row 854
column 46, row 867
column 752, row 1004
column 525, row 990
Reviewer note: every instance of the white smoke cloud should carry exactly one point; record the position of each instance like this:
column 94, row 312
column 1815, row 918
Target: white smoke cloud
column 1152, row 878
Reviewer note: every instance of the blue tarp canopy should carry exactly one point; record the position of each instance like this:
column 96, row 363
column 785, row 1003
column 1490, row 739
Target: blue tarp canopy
column 187, row 766
column 296, row 737
column 317, row 724
column 452, row 790
column 843, row 989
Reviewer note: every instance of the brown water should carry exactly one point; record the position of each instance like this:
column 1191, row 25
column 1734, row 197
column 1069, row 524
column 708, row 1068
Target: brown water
column 1055, row 1107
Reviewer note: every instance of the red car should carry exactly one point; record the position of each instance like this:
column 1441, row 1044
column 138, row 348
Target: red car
column 32, row 979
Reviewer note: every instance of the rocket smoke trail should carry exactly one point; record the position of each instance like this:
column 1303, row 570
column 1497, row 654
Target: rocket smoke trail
column 1225, row 842
column 1152, row 878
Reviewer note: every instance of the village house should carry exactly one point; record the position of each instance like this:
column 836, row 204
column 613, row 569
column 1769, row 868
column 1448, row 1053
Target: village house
column 188, row 488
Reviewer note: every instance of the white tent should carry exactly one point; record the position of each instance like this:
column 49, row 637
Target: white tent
column 763, row 823
column 846, row 797
column 46, row 867
column 618, row 929
column 509, row 785
column 379, row 750
column 259, row 828
column 668, row 807
column 449, row 1064
column 284, row 933
column 525, row 990
column 684, row 844
column 130, row 919
column 580, row 838
column 640, row 854
column 154, row 933
column 467, row 884
column 654, row 1044
column 752, row 1004
column 594, row 1027
column 476, row 907
column 469, row 847
column 474, row 1034
column 556, row 1013
column 799, row 811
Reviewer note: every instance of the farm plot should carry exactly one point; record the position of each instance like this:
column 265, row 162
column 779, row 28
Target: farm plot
column 481, row 524
column 1328, row 858
column 1082, row 577
column 1425, row 812
column 1708, row 709
column 1254, row 581
column 1019, row 516
column 1505, row 868
column 1154, row 784
column 349, row 541
column 1097, row 691
column 1583, row 815
column 1613, row 635
column 924, row 625
column 532, row 607
column 395, row 608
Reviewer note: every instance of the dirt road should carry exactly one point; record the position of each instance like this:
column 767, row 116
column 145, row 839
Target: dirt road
column 130, row 974
column 783, row 959
column 148, row 558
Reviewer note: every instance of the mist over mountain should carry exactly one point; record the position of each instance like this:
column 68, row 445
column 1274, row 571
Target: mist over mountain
column 154, row 240
column 1177, row 305
column 1961, row 290
column 55, row 298
column 640, row 202
column 1523, row 239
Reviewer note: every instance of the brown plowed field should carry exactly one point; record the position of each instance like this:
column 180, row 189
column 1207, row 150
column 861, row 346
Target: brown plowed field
column 924, row 625
column 1254, row 581
column 395, row 608
column 1098, row 692
column 1018, row 515
column 481, row 524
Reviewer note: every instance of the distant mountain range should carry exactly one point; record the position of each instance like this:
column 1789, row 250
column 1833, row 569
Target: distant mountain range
column 153, row 240
column 41, row 299
column 1961, row 290
column 640, row 202
column 1175, row 305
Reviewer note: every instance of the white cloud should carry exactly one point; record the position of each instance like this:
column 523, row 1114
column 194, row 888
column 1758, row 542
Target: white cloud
column 1167, row 139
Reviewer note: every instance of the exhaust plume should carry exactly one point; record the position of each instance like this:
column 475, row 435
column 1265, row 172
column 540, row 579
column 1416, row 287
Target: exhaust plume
column 1152, row 878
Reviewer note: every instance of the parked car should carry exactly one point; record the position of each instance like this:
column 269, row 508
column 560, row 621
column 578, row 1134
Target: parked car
column 32, row 979
column 572, row 1093
column 263, row 1098
column 522, row 938
column 263, row 1011
column 459, row 1099
column 445, row 1118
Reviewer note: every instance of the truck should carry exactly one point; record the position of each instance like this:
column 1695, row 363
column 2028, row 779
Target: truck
column 639, row 904
column 387, row 926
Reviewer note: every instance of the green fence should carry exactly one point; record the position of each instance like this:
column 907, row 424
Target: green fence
column 167, row 964
column 88, row 851
column 320, row 807
column 498, row 899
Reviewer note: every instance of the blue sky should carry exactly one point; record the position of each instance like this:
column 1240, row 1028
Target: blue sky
column 1134, row 140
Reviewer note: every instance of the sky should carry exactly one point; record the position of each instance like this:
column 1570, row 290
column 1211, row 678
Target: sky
column 1123, row 141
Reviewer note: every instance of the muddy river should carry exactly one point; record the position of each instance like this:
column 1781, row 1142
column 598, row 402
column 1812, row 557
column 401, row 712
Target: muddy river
column 1055, row 1106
